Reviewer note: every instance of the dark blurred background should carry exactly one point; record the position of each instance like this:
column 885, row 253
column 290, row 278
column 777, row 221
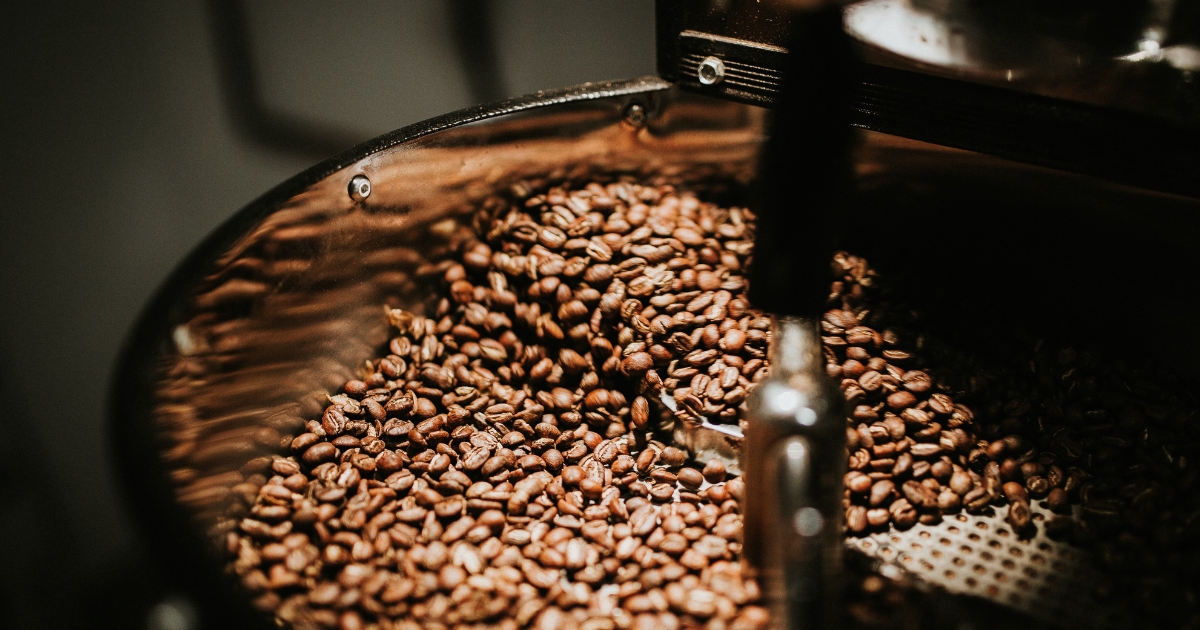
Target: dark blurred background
column 132, row 129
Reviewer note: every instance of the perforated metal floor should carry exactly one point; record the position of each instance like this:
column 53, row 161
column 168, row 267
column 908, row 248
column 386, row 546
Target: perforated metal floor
column 980, row 555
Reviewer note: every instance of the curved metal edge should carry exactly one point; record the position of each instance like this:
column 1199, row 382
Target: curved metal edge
column 583, row 92
column 170, row 536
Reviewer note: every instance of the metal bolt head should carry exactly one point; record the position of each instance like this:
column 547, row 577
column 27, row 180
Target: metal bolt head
column 711, row 71
column 360, row 188
column 635, row 114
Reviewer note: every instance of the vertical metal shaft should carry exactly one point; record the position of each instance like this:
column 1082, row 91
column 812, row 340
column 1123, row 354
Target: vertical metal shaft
column 795, row 435
column 793, row 461
column 805, row 169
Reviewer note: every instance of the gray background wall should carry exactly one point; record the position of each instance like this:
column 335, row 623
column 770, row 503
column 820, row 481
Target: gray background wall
column 117, row 155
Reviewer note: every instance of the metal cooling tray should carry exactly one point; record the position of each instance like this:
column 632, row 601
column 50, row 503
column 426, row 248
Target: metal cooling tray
column 981, row 556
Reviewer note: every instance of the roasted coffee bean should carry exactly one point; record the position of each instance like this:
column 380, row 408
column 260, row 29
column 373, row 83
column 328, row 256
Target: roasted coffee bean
column 961, row 483
column 572, row 476
column 948, row 501
column 917, row 381
column 1015, row 492
column 881, row 492
column 714, row 471
column 942, row 470
column 672, row 456
column 662, row 475
column 1010, row 470
column 1019, row 515
column 903, row 514
column 977, row 499
column 1038, row 486
column 1057, row 500
column 591, row 488
column 662, row 492
column 640, row 412
column 690, row 478
column 637, row 362
column 858, row 482
column 856, row 519
column 919, row 494
column 320, row 452
column 1032, row 469
column 900, row 400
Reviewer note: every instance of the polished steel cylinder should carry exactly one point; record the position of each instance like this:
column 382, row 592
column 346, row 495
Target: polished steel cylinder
column 793, row 459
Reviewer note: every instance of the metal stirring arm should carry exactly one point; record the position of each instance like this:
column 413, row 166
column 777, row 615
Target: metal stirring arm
column 794, row 453
column 805, row 172
column 794, row 458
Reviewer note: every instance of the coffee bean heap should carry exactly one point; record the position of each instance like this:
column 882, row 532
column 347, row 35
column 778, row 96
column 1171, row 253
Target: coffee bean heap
column 1119, row 439
column 498, row 464
column 654, row 292
column 490, row 469
column 909, row 443
column 1108, row 439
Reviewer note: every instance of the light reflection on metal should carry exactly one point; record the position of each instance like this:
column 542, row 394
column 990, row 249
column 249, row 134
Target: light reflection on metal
column 1182, row 57
column 780, row 399
column 968, row 35
column 808, row 521
column 635, row 114
column 783, row 400
column 897, row 26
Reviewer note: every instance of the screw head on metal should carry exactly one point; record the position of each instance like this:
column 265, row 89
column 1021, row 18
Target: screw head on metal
column 360, row 188
column 711, row 71
column 635, row 114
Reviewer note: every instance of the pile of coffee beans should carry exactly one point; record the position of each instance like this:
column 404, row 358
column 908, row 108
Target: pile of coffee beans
column 914, row 452
column 498, row 465
column 1106, row 443
column 1116, row 441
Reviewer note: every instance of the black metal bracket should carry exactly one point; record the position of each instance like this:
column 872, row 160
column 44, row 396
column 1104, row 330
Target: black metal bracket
column 1124, row 147
column 752, row 71
column 1121, row 146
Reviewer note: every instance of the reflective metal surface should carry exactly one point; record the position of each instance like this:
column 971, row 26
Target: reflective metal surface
column 1010, row 35
column 284, row 303
column 1064, row 258
column 793, row 459
column 1142, row 60
column 1129, row 55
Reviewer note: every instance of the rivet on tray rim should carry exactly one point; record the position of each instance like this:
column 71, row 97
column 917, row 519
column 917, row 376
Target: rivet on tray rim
column 359, row 188
column 635, row 114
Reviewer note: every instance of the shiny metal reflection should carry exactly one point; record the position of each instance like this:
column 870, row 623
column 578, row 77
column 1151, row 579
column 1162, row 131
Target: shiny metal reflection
column 286, row 303
column 794, row 458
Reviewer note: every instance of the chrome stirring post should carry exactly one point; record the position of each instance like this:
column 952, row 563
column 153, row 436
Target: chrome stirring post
column 793, row 456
